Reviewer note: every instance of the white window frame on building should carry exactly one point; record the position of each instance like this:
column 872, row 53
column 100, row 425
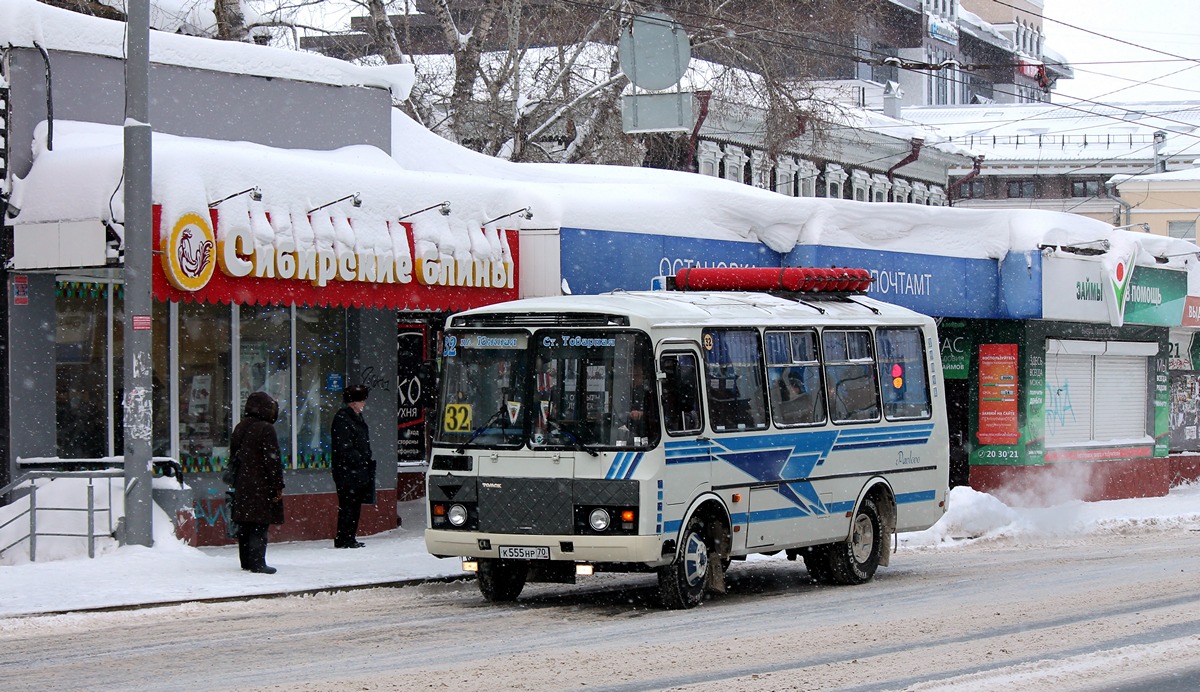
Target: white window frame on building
column 735, row 163
column 880, row 187
column 860, row 185
column 785, row 176
column 835, row 180
column 708, row 156
column 920, row 192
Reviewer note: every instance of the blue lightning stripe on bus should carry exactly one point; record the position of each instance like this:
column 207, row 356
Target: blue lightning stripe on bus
column 779, row 456
column 623, row 465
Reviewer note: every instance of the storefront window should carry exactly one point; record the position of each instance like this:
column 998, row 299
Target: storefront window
column 265, row 363
column 204, row 383
column 81, row 368
column 160, row 395
column 320, row 364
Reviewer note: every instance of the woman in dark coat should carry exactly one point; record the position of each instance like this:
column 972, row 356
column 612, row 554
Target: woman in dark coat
column 353, row 465
column 258, row 491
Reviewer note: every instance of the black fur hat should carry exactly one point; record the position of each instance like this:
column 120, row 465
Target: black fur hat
column 355, row 392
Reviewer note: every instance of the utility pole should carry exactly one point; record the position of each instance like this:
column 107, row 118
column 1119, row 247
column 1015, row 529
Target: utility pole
column 137, row 361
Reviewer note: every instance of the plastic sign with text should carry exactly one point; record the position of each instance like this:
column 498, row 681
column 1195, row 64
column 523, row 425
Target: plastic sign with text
column 319, row 274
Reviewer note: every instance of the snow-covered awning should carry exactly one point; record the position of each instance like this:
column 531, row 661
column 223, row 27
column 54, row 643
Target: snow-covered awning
column 236, row 221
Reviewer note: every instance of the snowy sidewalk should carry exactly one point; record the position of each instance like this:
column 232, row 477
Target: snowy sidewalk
column 171, row 572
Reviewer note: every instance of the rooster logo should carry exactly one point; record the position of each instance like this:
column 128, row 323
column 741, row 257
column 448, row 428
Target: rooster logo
column 194, row 255
column 188, row 253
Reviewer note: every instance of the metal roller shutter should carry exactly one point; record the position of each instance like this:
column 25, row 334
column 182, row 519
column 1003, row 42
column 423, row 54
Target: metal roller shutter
column 1120, row 393
column 1069, row 396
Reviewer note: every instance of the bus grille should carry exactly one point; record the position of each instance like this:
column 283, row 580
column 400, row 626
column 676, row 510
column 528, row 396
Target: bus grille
column 548, row 506
column 525, row 505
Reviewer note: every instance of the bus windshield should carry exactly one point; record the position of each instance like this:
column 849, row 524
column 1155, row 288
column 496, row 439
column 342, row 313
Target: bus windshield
column 557, row 389
column 594, row 390
column 483, row 389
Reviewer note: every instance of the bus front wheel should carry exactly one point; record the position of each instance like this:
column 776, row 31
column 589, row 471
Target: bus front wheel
column 855, row 560
column 501, row 580
column 681, row 583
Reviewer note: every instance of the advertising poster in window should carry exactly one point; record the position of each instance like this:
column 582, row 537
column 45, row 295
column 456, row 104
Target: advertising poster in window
column 410, row 394
column 199, row 395
column 254, row 369
column 597, row 397
column 1185, row 411
column 998, row 421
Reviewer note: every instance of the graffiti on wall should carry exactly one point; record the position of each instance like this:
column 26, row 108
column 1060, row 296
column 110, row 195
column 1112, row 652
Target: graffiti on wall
column 1059, row 411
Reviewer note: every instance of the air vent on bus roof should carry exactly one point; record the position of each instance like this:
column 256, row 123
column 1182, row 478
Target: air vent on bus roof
column 772, row 279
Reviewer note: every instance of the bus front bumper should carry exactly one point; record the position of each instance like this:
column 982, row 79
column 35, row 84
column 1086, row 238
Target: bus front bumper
column 645, row 550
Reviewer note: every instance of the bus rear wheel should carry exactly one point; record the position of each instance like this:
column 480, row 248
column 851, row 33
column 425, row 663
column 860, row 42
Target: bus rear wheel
column 501, row 580
column 855, row 560
column 681, row 583
column 816, row 561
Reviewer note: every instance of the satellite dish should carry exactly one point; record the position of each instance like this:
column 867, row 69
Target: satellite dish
column 654, row 51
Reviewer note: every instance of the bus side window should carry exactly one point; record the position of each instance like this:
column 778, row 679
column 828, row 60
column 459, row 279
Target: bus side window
column 902, row 376
column 853, row 389
column 734, row 373
column 680, row 393
column 794, row 378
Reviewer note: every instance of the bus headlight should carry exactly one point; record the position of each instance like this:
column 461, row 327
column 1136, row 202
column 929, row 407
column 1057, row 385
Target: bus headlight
column 599, row 519
column 457, row 515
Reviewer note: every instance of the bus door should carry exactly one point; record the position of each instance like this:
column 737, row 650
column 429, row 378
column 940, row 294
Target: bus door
column 688, row 450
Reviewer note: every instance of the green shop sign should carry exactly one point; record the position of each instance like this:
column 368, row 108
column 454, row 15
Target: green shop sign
column 1156, row 297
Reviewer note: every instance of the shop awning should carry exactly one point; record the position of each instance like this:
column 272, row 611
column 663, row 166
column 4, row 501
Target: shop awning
column 239, row 222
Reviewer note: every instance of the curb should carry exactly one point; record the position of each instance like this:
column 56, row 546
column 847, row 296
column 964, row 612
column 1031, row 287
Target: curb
column 245, row 597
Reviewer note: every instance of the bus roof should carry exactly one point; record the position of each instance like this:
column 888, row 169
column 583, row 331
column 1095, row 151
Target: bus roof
column 681, row 308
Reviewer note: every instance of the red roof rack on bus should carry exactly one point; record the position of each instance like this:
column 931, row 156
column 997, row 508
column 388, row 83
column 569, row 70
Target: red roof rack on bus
column 771, row 279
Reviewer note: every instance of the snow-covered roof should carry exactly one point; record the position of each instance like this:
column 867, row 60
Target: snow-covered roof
column 28, row 23
column 676, row 203
column 1187, row 175
column 426, row 169
column 983, row 30
column 1058, row 132
column 190, row 173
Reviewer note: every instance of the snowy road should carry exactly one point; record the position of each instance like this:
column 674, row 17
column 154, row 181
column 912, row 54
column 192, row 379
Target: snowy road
column 1117, row 610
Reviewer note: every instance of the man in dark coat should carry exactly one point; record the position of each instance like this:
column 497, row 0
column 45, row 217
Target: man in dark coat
column 258, row 490
column 353, row 465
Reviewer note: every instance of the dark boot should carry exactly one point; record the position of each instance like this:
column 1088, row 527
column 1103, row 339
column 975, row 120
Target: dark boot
column 256, row 547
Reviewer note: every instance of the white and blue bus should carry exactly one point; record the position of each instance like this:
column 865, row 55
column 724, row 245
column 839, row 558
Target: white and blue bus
column 678, row 430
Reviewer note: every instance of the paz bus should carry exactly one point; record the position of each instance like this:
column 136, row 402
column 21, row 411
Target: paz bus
column 741, row 411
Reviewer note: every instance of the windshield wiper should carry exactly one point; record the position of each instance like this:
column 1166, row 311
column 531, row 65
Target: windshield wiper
column 491, row 422
column 571, row 437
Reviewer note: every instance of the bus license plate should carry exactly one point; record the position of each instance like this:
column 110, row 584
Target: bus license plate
column 518, row 552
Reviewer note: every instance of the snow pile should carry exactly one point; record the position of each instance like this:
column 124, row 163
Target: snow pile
column 972, row 515
column 62, row 503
